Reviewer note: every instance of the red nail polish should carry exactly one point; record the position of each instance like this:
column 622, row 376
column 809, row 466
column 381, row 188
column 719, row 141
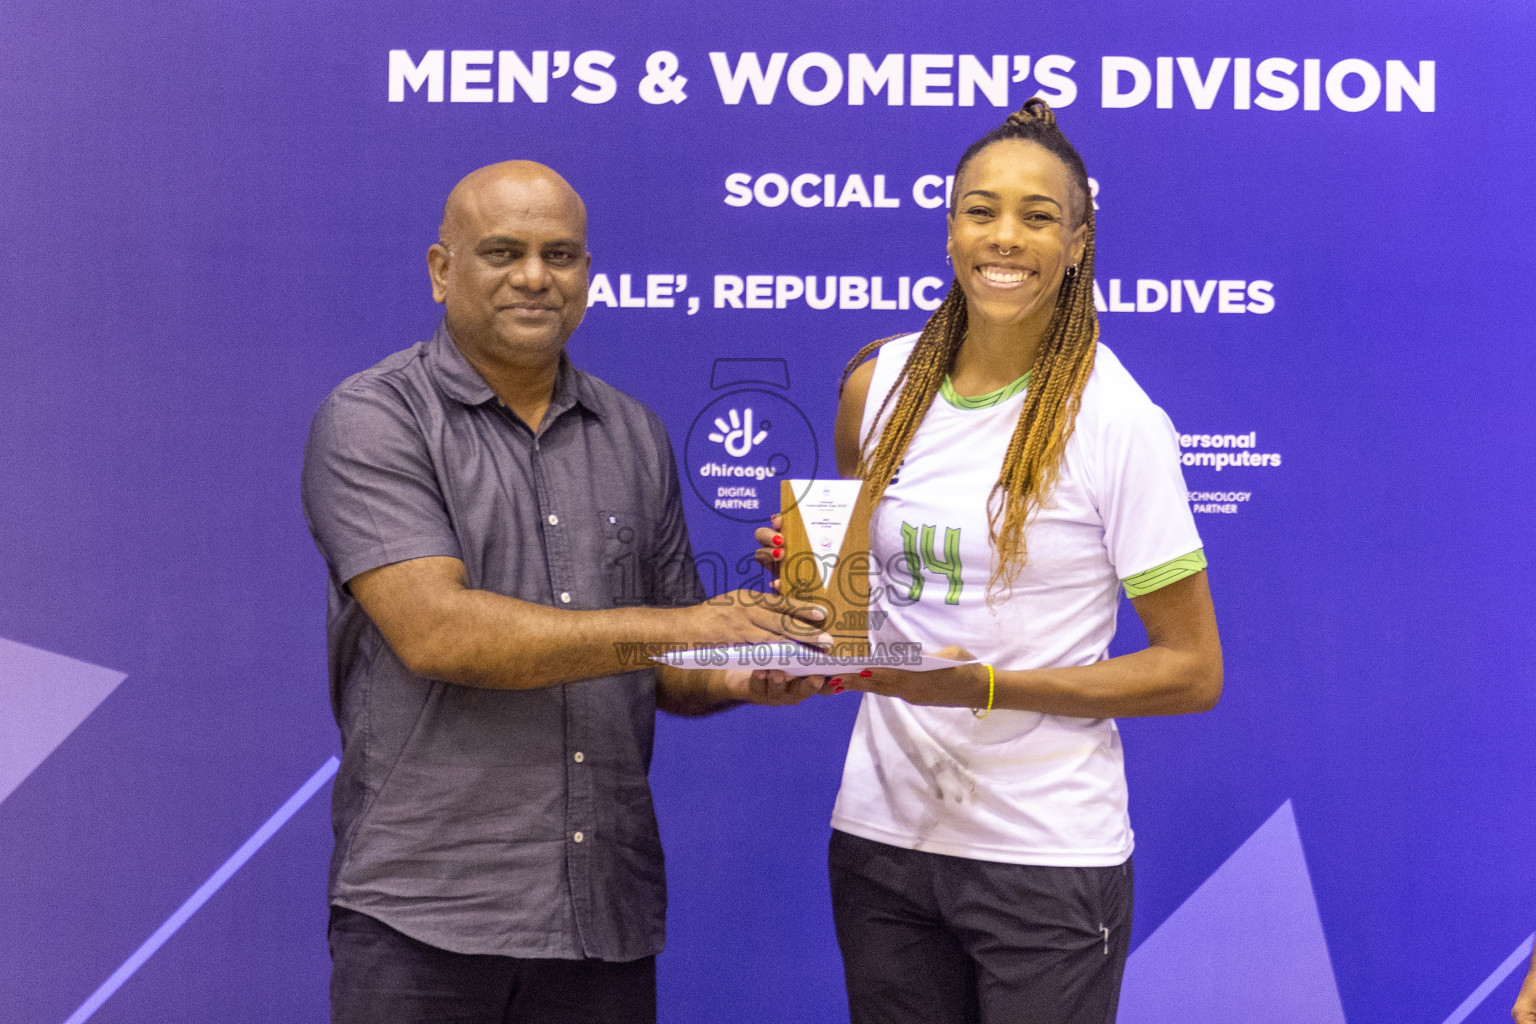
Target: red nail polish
column 778, row 552
column 866, row 673
column 836, row 680
column 778, row 540
column 838, row 688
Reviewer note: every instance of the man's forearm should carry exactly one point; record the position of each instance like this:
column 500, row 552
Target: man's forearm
column 483, row 639
column 499, row 642
column 442, row 629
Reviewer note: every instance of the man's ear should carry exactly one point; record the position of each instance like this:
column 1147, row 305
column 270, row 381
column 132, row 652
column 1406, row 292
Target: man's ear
column 437, row 270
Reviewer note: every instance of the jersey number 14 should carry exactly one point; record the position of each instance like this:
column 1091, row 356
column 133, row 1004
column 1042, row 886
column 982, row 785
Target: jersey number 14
column 917, row 544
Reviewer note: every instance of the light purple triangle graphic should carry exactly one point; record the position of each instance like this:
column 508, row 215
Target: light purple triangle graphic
column 43, row 698
column 1246, row 948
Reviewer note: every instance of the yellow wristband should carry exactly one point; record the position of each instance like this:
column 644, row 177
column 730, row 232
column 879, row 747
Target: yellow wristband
column 991, row 693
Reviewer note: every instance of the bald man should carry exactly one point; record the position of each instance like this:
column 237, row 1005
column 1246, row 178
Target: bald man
column 498, row 525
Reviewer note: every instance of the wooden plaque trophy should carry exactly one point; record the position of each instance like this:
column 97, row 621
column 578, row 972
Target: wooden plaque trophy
column 825, row 525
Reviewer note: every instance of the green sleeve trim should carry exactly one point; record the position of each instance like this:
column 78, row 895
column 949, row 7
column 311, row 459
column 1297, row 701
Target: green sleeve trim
column 986, row 401
column 1160, row 576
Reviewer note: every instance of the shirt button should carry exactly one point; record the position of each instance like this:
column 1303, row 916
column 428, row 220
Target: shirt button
column 578, row 837
column 580, row 757
column 554, row 520
column 565, row 597
column 613, row 519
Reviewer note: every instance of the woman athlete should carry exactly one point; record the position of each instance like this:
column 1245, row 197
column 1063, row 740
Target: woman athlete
column 980, row 858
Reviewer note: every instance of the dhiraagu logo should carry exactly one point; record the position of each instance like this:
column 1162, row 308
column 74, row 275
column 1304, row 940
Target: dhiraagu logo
column 747, row 439
column 737, row 432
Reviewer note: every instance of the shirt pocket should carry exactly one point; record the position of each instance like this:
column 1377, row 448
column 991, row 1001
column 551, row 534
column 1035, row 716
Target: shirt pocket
column 628, row 545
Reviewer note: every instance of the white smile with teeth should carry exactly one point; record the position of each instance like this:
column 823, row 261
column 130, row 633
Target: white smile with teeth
column 1002, row 275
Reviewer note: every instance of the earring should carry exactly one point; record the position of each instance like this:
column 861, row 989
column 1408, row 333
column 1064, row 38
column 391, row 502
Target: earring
column 1071, row 271
column 947, row 259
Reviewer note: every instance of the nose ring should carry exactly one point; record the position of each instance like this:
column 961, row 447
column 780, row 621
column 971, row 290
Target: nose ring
column 1004, row 252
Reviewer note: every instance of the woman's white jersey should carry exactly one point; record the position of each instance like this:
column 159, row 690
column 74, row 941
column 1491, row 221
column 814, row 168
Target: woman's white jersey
column 1016, row 786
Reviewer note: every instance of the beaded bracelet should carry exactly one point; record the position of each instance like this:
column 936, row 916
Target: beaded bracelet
column 991, row 692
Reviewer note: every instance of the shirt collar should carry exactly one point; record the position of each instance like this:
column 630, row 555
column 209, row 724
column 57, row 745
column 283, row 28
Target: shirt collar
column 463, row 383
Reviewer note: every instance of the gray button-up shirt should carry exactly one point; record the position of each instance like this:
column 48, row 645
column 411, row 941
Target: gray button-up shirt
column 513, row 822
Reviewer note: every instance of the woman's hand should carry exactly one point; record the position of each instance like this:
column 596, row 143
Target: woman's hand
column 770, row 547
column 964, row 686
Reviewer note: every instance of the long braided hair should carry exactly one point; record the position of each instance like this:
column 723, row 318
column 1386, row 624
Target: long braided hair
column 1033, row 461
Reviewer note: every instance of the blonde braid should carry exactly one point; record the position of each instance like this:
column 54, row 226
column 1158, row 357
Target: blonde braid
column 929, row 363
column 1032, row 464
